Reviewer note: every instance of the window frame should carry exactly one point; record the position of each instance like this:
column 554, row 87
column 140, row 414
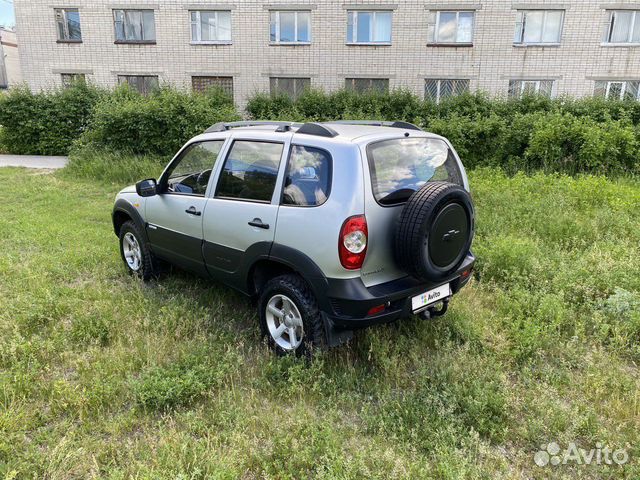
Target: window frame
column 163, row 180
column 216, row 77
column 198, row 24
column 623, row 90
column 296, row 94
column 229, row 149
column 122, row 78
column 521, row 27
column 353, row 80
column 436, row 41
column 538, row 84
column 63, row 11
column 439, row 81
column 354, row 31
column 286, row 173
column 610, row 24
column 142, row 41
column 277, row 24
column 72, row 78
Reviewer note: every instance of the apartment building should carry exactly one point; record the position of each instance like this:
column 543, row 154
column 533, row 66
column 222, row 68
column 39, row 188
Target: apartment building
column 434, row 48
column 9, row 59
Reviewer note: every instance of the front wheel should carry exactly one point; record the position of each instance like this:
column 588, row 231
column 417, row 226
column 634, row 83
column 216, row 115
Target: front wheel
column 289, row 316
column 135, row 252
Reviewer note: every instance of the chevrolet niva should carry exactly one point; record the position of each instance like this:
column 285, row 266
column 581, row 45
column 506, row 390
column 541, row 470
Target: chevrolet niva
column 330, row 226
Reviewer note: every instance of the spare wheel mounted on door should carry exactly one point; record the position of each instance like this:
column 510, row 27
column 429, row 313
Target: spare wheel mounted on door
column 434, row 231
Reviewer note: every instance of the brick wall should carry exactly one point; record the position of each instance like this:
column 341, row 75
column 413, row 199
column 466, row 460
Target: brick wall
column 250, row 59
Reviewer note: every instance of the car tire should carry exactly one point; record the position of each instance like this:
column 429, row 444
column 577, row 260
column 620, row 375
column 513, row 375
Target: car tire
column 135, row 252
column 298, row 328
column 434, row 231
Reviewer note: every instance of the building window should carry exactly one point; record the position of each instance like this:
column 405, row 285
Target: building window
column 134, row 26
column 69, row 79
column 294, row 87
column 369, row 27
column 202, row 84
column 618, row 89
column 520, row 88
column 144, row 84
column 535, row 27
column 290, row 27
column 624, row 26
column 68, row 21
column 361, row 85
column 436, row 90
column 453, row 27
column 210, row 26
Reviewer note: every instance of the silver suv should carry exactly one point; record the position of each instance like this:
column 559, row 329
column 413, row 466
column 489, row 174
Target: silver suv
column 330, row 226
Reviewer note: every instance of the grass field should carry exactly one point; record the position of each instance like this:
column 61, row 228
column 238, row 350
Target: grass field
column 103, row 376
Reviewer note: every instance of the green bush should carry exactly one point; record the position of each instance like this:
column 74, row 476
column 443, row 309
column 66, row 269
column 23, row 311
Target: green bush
column 45, row 123
column 563, row 142
column 591, row 135
column 157, row 124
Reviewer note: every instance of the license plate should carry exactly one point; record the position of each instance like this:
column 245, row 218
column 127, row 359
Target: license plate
column 432, row 296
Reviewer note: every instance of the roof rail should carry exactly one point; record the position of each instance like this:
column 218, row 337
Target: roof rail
column 379, row 123
column 317, row 129
column 223, row 126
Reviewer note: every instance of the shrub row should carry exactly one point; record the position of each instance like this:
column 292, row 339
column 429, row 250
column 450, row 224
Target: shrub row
column 45, row 123
column 158, row 124
column 568, row 135
column 404, row 105
column 50, row 122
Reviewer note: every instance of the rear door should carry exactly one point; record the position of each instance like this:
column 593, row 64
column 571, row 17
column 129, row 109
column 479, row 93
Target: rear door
column 397, row 168
column 239, row 222
column 174, row 216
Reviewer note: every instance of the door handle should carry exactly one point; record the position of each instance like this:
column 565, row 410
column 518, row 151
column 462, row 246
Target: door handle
column 256, row 222
column 193, row 211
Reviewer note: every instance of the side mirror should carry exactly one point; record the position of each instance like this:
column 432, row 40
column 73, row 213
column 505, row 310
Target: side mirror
column 146, row 188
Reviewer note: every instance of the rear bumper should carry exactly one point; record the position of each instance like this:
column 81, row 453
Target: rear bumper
column 350, row 300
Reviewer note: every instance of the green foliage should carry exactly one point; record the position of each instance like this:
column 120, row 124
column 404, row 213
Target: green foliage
column 156, row 124
column 180, row 382
column 591, row 135
column 45, row 123
column 49, row 122
column 118, row 167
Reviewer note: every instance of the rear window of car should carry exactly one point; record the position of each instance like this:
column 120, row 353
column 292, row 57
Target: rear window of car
column 401, row 166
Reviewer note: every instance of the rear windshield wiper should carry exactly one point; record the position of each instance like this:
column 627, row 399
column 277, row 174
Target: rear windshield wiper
column 397, row 196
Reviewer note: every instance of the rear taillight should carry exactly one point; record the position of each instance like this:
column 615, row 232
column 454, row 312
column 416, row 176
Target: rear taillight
column 352, row 244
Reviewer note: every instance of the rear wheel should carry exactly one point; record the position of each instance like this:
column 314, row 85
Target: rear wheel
column 289, row 316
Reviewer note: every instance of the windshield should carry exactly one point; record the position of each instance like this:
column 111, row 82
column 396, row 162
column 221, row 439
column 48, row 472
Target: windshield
column 401, row 166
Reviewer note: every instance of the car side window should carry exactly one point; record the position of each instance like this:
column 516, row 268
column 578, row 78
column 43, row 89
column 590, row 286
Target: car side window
column 250, row 171
column 190, row 174
column 308, row 178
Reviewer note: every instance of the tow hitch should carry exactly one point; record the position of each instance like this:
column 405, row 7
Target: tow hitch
column 431, row 312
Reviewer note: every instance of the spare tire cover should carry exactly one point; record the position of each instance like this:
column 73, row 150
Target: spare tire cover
column 434, row 231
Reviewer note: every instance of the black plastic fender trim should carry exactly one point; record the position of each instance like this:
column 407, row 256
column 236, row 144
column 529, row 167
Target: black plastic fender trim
column 122, row 205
